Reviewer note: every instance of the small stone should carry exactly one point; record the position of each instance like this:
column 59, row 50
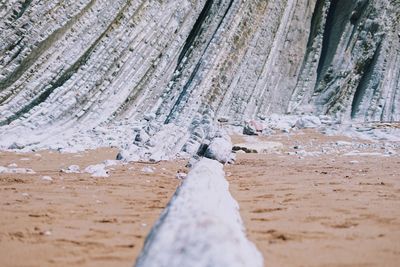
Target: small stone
column 223, row 120
column 16, row 145
column 47, row 178
column 219, row 149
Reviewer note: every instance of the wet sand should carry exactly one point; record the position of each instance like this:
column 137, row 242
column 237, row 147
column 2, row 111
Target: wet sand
column 330, row 210
column 78, row 220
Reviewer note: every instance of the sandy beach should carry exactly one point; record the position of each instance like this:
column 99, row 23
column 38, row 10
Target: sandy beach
column 76, row 219
column 330, row 210
column 300, row 206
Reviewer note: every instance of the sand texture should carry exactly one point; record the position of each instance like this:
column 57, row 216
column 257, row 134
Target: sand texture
column 78, row 220
column 325, row 210
column 306, row 200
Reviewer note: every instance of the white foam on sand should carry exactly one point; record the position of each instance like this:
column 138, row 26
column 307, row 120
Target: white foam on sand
column 201, row 226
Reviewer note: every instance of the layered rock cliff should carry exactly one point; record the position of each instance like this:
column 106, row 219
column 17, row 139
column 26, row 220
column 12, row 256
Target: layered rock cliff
column 94, row 63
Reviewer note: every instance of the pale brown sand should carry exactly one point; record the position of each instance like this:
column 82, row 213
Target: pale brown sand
column 77, row 220
column 319, row 211
column 299, row 211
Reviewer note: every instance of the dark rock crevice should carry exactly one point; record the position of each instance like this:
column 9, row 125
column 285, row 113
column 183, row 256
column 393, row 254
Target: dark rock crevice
column 195, row 34
column 368, row 82
column 67, row 74
column 196, row 30
column 53, row 86
column 338, row 15
column 39, row 49
column 23, row 8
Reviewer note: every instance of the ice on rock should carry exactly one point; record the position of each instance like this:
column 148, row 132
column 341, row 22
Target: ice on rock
column 200, row 223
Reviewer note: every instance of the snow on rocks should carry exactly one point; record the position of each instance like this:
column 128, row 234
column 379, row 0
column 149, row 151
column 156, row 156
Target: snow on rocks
column 201, row 221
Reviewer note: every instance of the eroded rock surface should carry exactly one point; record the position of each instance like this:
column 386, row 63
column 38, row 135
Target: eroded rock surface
column 72, row 72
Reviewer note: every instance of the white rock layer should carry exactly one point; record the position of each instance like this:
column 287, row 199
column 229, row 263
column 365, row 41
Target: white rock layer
column 201, row 226
column 91, row 73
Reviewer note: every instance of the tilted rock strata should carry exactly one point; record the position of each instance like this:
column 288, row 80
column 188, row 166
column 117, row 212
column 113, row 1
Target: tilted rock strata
column 68, row 64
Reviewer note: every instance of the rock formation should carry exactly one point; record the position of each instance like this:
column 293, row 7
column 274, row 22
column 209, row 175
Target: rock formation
column 80, row 65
